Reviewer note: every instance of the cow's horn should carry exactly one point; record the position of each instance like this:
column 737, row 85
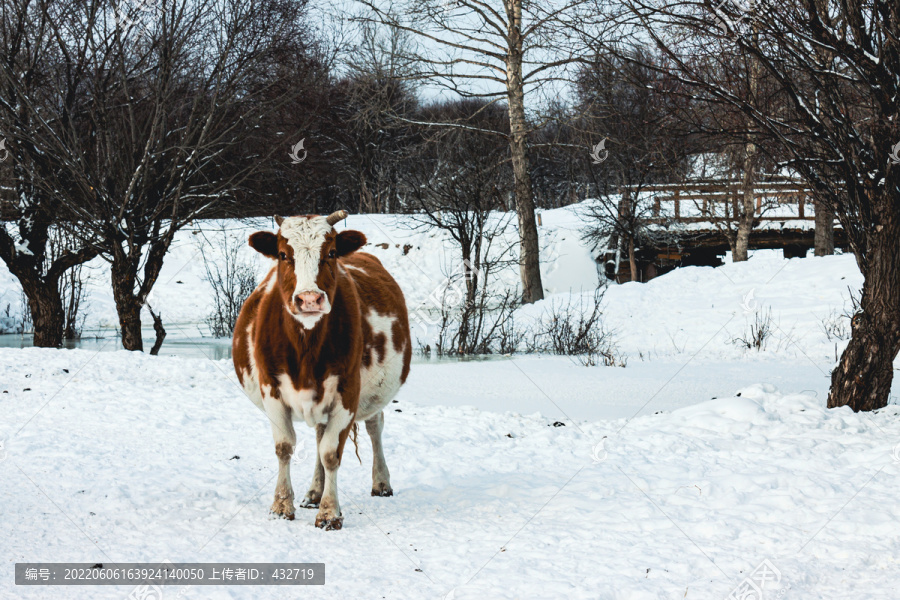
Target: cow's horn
column 279, row 220
column 338, row 215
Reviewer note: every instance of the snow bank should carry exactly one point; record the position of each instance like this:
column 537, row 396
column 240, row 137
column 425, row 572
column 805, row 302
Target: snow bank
column 420, row 261
column 692, row 311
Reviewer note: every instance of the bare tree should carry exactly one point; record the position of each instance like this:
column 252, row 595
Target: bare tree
column 456, row 183
column 30, row 62
column 231, row 276
column 504, row 49
column 155, row 106
column 839, row 66
column 626, row 114
column 369, row 140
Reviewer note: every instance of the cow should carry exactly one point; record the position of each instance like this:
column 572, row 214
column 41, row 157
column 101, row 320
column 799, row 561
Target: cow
column 323, row 339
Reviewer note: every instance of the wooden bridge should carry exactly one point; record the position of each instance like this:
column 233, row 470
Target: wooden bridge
column 694, row 223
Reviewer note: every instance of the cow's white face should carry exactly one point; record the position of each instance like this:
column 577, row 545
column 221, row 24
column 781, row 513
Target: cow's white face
column 307, row 239
column 307, row 249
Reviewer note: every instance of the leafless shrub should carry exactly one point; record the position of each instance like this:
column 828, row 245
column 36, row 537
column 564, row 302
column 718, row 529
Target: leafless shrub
column 72, row 292
column 836, row 326
column 507, row 336
column 484, row 326
column 25, row 323
column 17, row 320
column 855, row 306
column 71, row 289
column 758, row 332
column 232, row 278
column 574, row 328
column 7, row 319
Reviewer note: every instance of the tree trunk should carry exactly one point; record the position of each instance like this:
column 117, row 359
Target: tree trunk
column 127, row 306
column 824, row 242
column 632, row 263
column 529, row 252
column 160, row 332
column 748, row 203
column 863, row 377
column 47, row 313
column 748, row 206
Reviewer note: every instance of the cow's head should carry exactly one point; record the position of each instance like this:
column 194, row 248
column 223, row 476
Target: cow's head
column 307, row 249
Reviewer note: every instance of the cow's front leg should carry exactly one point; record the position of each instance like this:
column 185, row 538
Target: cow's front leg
column 285, row 439
column 331, row 447
column 314, row 495
column 381, row 477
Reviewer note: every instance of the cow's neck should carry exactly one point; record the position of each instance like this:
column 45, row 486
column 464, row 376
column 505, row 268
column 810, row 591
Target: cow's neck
column 311, row 340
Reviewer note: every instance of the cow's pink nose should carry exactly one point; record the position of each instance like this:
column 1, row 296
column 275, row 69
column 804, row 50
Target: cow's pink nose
column 310, row 301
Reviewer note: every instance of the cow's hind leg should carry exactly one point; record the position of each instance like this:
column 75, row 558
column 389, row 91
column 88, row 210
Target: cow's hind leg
column 285, row 439
column 381, row 477
column 314, row 495
column 331, row 447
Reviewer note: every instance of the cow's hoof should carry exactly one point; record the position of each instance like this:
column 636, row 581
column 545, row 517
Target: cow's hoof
column 284, row 515
column 283, row 507
column 382, row 489
column 323, row 522
column 310, row 500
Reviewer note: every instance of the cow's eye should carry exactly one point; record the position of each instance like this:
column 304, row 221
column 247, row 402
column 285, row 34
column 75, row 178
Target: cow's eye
column 282, row 256
column 332, row 254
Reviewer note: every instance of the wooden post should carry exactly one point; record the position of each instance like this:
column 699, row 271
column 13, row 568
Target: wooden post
column 677, row 205
column 824, row 239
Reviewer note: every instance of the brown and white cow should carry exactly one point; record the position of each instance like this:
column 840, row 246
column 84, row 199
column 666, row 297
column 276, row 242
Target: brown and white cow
column 324, row 339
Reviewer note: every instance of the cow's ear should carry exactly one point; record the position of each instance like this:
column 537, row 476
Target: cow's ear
column 265, row 242
column 349, row 241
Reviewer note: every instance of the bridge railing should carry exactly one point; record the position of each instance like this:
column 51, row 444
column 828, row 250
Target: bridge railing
column 719, row 201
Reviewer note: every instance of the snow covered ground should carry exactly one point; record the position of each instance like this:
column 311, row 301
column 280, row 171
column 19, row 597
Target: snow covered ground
column 116, row 457
column 516, row 477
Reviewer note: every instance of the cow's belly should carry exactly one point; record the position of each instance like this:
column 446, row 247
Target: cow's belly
column 381, row 380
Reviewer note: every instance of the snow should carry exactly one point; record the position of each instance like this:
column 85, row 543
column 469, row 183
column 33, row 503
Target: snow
column 184, row 298
column 127, row 457
column 651, row 318
column 677, row 476
column 22, row 248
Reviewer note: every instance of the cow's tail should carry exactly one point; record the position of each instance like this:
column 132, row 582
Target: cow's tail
column 353, row 437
